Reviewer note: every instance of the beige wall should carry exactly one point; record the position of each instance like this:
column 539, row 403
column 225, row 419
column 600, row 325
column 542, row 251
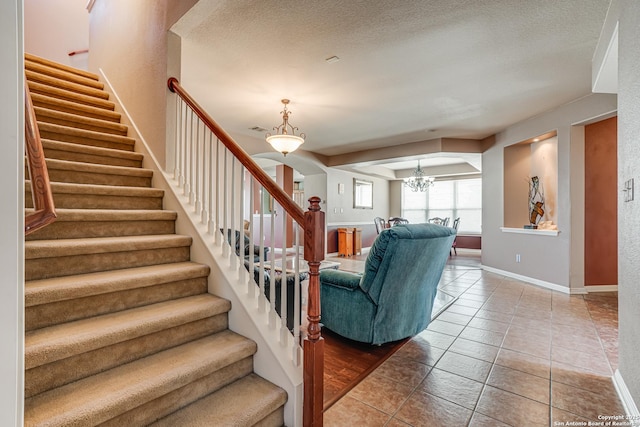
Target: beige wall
column 128, row 42
column 395, row 198
column 53, row 28
column 628, row 213
column 543, row 258
column 340, row 206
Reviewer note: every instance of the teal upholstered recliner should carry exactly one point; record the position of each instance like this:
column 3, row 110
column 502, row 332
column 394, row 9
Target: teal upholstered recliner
column 394, row 296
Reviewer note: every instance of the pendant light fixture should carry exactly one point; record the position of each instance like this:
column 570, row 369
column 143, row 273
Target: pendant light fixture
column 285, row 139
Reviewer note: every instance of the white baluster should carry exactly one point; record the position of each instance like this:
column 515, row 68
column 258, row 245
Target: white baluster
column 176, row 142
column 241, row 269
column 297, row 351
column 272, row 273
column 198, row 171
column 213, row 184
column 225, row 226
column 284, row 331
column 183, row 138
column 217, row 191
column 206, row 177
column 234, row 231
column 261, row 297
column 251, row 287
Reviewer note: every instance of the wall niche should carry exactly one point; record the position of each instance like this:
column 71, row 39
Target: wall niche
column 537, row 156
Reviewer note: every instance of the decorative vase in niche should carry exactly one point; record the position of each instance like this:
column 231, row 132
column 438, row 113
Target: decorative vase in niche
column 536, row 202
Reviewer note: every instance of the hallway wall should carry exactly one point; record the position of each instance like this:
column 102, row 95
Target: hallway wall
column 629, row 212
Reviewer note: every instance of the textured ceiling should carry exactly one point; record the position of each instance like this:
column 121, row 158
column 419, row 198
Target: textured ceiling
column 408, row 70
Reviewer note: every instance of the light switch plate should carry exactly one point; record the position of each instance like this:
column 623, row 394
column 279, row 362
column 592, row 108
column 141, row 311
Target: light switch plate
column 628, row 190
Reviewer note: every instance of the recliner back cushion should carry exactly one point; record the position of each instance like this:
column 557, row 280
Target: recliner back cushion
column 383, row 253
column 374, row 259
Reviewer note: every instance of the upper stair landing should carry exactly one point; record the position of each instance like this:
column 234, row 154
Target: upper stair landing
column 33, row 62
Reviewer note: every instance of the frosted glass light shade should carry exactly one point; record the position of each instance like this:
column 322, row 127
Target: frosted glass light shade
column 285, row 143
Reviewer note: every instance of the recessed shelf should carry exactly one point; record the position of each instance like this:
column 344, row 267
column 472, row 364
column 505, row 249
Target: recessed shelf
column 530, row 231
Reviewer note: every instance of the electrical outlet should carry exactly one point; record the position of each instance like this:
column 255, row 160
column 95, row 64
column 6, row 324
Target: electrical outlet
column 517, row 257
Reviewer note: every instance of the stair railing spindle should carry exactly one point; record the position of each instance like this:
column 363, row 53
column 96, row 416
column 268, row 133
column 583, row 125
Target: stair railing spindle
column 296, row 356
column 261, row 296
column 232, row 216
column 176, row 155
column 212, row 185
column 272, row 272
column 251, row 286
column 217, row 193
column 284, row 330
column 206, row 182
column 226, row 241
column 198, row 171
column 241, row 269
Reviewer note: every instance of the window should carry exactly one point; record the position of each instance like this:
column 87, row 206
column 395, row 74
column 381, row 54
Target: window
column 458, row 198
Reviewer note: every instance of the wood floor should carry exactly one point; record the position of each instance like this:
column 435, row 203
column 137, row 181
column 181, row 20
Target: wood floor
column 347, row 362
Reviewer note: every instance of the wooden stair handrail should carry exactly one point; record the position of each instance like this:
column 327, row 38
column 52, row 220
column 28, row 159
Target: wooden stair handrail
column 313, row 223
column 44, row 213
column 265, row 180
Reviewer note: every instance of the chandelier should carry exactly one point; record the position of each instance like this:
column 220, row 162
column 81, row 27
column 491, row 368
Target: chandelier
column 283, row 141
column 419, row 182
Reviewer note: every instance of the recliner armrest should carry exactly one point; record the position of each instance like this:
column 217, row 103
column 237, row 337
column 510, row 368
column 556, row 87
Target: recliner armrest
column 340, row 279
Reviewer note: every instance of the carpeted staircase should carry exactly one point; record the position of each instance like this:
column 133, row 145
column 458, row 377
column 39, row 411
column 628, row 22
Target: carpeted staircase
column 120, row 329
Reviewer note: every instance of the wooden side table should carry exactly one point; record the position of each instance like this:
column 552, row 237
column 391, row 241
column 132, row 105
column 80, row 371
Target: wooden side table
column 357, row 241
column 345, row 242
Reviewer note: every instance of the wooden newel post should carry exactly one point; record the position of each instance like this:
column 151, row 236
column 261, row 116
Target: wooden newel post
column 313, row 343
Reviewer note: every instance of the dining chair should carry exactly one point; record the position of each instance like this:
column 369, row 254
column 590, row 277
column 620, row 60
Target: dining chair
column 456, row 224
column 380, row 223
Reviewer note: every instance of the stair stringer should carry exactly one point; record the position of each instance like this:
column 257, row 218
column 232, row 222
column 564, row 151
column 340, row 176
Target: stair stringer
column 272, row 361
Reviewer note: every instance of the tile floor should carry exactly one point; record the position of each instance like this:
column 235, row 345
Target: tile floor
column 506, row 353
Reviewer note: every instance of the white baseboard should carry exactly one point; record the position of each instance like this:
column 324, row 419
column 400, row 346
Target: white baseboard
column 633, row 415
column 601, row 288
column 538, row 282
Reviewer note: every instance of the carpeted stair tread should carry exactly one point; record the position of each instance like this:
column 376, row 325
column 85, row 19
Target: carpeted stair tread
column 88, row 173
column 88, row 223
column 56, row 289
column 47, row 79
column 91, row 196
column 78, row 121
column 85, row 137
column 98, row 398
column 58, row 342
column 112, row 215
column 89, row 154
column 259, row 399
column 36, row 249
column 33, row 59
column 57, row 104
column 68, row 95
column 64, row 187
